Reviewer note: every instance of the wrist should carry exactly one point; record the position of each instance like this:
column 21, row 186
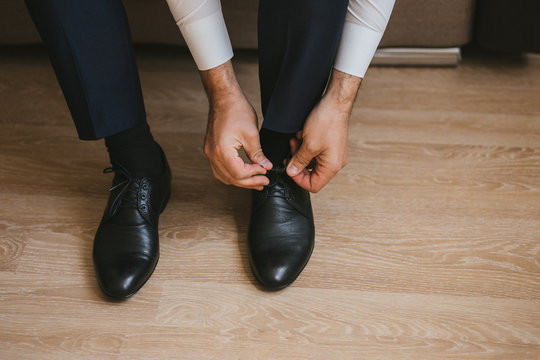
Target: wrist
column 342, row 90
column 220, row 84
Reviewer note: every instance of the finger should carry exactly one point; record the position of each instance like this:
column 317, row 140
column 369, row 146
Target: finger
column 311, row 182
column 222, row 169
column 315, row 180
column 303, row 179
column 254, row 169
column 255, row 182
column 321, row 176
column 258, row 182
column 255, row 154
column 233, row 165
column 218, row 174
column 318, row 181
column 295, row 145
column 300, row 160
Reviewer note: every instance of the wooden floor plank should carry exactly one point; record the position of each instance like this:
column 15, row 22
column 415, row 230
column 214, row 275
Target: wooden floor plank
column 427, row 244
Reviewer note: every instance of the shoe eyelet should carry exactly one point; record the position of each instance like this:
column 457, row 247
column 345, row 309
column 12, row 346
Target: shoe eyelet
column 143, row 207
column 143, row 196
column 145, row 186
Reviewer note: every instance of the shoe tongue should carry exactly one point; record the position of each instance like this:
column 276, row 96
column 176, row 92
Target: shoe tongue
column 126, row 207
column 278, row 182
column 130, row 197
column 276, row 174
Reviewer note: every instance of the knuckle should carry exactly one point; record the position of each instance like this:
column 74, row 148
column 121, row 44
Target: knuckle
column 310, row 147
column 235, row 174
column 206, row 150
column 252, row 136
column 302, row 160
column 257, row 153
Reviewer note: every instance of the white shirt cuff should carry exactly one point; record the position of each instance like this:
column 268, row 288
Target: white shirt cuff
column 357, row 48
column 207, row 40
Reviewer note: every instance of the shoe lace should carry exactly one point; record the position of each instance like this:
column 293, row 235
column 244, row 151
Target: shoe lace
column 278, row 177
column 128, row 194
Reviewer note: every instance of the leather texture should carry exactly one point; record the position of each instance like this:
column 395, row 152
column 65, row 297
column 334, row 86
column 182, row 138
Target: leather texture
column 126, row 245
column 281, row 232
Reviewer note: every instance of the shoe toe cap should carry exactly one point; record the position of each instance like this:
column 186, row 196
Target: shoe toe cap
column 121, row 277
column 278, row 268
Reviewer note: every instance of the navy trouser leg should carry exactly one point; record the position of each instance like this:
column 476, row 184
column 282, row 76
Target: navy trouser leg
column 298, row 41
column 91, row 52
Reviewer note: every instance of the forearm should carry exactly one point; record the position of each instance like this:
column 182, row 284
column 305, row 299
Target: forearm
column 341, row 91
column 220, row 84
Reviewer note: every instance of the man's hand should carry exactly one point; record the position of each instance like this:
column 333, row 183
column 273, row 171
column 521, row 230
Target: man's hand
column 320, row 149
column 232, row 125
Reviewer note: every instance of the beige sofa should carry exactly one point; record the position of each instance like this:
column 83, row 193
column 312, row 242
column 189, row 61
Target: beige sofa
column 414, row 23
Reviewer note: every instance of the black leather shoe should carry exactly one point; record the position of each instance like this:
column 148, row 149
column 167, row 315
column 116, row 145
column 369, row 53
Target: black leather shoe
column 281, row 233
column 126, row 246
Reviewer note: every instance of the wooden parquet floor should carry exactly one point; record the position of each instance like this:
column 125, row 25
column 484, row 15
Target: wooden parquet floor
column 427, row 246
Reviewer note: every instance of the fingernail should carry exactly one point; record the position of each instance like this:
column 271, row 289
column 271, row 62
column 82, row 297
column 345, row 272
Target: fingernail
column 265, row 161
column 293, row 170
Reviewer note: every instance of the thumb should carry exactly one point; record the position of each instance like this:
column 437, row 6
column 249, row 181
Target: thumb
column 255, row 154
column 300, row 160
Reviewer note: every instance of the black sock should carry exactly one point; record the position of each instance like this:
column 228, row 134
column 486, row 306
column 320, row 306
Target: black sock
column 276, row 146
column 136, row 150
